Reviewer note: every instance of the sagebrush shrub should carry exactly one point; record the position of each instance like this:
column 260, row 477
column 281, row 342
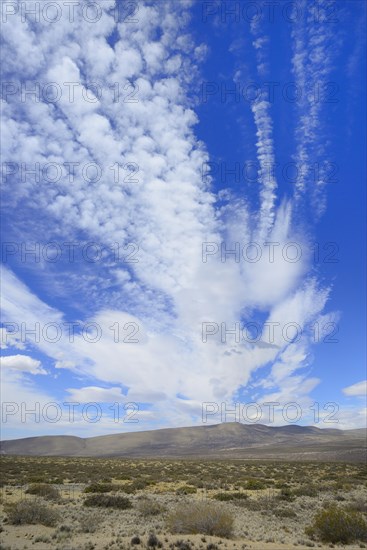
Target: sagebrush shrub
column 196, row 483
column 358, row 505
column 134, row 486
column 108, row 501
column 284, row 513
column 306, row 491
column 153, row 541
column 186, row 490
column 258, row 504
column 99, row 488
column 149, row 507
column 31, row 512
column 334, row 524
column 182, row 545
column 44, row 490
column 286, row 494
column 230, row 496
column 255, row 484
column 37, row 479
column 139, row 484
column 90, row 522
column 207, row 518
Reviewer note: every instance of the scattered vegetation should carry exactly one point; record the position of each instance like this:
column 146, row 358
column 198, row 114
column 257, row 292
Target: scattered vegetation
column 206, row 474
column 269, row 501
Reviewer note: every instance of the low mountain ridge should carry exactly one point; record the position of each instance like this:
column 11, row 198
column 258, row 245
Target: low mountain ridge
column 226, row 440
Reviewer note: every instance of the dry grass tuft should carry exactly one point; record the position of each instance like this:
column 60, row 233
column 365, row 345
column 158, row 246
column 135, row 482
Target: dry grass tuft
column 31, row 512
column 149, row 507
column 207, row 518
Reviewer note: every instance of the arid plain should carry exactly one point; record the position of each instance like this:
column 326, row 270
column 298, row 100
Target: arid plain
column 211, row 503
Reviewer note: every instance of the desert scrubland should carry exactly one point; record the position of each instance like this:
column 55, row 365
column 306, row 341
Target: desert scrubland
column 68, row 503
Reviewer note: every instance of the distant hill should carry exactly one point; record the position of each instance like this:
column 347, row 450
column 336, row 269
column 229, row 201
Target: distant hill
column 228, row 440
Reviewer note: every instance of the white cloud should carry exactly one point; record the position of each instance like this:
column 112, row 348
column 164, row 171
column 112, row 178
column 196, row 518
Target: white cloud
column 344, row 418
column 22, row 363
column 359, row 389
column 168, row 212
column 265, row 155
column 96, row 394
column 315, row 46
column 10, row 340
column 160, row 365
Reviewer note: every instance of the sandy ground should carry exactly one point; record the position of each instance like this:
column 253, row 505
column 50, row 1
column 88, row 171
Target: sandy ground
column 114, row 529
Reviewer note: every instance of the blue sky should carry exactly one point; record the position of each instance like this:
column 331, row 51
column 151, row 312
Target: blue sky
column 156, row 139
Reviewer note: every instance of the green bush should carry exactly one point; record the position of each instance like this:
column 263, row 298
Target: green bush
column 153, row 541
column 206, row 518
column 230, row 496
column 334, row 524
column 44, row 490
column 37, row 479
column 306, row 491
column 131, row 488
column 196, row 483
column 186, row 490
column 140, row 484
column 100, row 488
column 128, row 488
column 108, row 501
column 57, row 481
column 286, row 494
column 255, row 484
column 31, row 512
column 182, row 545
column 134, row 486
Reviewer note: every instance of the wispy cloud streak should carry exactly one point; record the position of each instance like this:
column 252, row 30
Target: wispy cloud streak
column 315, row 45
